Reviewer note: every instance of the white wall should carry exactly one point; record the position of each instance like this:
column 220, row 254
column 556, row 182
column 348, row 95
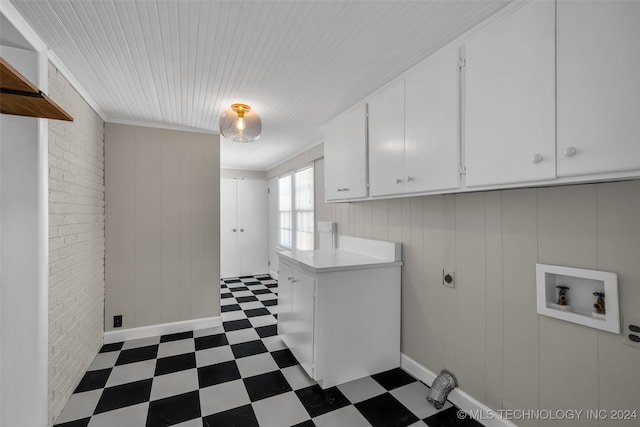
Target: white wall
column 23, row 259
column 487, row 330
column 76, row 241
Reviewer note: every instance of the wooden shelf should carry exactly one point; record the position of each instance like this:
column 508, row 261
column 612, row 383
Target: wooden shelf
column 18, row 96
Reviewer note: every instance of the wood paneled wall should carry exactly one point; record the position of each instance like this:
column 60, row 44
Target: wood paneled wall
column 487, row 330
column 162, row 225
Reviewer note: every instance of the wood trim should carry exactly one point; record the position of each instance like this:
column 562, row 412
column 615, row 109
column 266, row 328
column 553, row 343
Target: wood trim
column 22, row 98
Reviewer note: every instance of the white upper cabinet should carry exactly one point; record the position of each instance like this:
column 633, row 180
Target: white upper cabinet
column 598, row 87
column 510, row 99
column 345, row 153
column 414, row 125
column 432, row 126
column 386, row 140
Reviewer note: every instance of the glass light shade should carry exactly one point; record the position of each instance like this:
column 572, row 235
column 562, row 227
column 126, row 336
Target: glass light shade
column 240, row 124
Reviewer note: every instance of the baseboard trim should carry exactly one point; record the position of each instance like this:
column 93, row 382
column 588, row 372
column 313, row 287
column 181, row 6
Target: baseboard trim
column 485, row 415
column 161, row 329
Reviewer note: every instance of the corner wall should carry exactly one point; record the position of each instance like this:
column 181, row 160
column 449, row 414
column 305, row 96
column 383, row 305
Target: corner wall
column 23, row 255
column 487, row 330
column 76, row 241
column 162, row 225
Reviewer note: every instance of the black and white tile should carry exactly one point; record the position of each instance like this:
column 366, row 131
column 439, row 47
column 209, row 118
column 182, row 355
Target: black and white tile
column 238, row 374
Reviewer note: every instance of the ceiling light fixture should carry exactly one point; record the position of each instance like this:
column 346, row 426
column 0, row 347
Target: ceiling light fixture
column 240, row 123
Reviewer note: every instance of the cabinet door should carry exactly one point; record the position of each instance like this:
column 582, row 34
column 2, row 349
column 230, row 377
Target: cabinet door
column 598, row 87
column 285, row 300
column 510, row 99
column 303, row 320
column 229, row 254
column 345, row 155
column 253, row 227
column 386, row 141
column 432, row 126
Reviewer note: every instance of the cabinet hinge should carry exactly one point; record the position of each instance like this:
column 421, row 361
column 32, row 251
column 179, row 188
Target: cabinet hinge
column 268, row 191
column 462, row 62
column 462, row 170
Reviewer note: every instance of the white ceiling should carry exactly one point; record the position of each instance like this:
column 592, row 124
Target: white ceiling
column 297, row 63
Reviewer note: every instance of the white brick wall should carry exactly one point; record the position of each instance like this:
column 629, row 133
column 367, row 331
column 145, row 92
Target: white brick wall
column 76, row 241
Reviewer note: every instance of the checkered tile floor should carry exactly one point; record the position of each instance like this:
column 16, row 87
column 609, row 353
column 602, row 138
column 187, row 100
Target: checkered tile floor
column 239, row 374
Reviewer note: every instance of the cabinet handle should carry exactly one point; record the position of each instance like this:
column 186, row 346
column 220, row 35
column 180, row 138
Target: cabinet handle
column 537, row 158
column 570, row 152
column 345, row 189
column 234, row 230
column 242, row 230
column 398, row 180
column 410, row 179
column 339, row 190
column 290, row 278
column 294, row 280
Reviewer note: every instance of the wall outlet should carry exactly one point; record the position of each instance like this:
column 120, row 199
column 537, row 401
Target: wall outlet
column 631, row 332
column 448, row 279
column 117, row 321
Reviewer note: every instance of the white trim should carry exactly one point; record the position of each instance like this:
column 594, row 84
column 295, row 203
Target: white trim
column 42, row 393
column 161, row 329
column 38, row 331
column 17, row 20
column 53, row 58
column 162, row 126
column 299, row 153
column 462, row 400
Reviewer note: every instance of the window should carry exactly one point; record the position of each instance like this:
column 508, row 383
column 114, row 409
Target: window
column 284, row 206
column 296, row 208
column 304, row 208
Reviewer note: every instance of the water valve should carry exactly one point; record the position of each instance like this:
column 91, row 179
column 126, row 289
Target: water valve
column 448, row 279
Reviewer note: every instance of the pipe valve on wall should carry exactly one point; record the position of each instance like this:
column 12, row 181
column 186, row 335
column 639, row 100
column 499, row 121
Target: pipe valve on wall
column 441, row 387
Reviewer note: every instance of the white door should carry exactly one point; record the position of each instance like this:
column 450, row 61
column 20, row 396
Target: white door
column 432, row 126
column 598, row 86
column 229, row 253
column 386, row 141
column 510, row 99
column 244, row 227
column 253, row 227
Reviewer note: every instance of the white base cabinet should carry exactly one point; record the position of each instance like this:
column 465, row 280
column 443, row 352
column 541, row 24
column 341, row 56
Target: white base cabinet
column 341, row 323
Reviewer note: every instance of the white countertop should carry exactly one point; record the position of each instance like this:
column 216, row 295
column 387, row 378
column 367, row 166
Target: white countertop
column 336, row 260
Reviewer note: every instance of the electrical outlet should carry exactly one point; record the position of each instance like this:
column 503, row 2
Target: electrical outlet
column 631, row 332
column 448, row 279
column 117, row 321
